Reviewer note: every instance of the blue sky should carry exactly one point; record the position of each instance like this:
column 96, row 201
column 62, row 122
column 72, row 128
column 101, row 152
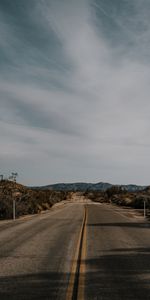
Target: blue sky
column 74, row 90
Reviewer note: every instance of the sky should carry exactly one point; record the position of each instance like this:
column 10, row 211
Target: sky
column 75, row 91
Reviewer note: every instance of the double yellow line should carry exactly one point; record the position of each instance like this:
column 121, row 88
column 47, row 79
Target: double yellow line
column 76, row 284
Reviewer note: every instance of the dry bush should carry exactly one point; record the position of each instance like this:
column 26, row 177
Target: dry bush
column 28, row 202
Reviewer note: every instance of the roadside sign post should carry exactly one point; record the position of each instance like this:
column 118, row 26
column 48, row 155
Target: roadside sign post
column 14, row 209
column 16, row 196
column 144, row 208
column 15, row 193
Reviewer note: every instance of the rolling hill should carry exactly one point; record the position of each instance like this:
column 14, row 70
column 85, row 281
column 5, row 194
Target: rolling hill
column 82, row 186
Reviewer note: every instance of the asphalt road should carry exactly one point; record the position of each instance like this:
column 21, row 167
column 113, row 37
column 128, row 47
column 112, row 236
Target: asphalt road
column 118, row 255
column 36, row 254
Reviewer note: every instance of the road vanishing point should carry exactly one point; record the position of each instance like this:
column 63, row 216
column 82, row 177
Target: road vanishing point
column 77, row 250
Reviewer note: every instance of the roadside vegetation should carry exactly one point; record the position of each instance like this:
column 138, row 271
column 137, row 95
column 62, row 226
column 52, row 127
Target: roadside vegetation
column 28, row 201
column 119, row 196
column 33, row 201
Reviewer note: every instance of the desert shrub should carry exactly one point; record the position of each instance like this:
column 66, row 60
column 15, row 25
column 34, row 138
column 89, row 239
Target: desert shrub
column 6, row 208
column 96, row 196
column 114, row 190
column 28, row 202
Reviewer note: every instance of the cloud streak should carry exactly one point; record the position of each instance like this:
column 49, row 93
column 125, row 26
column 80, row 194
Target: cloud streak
column 75, row 91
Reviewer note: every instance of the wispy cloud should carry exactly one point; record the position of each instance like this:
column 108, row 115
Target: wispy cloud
column 75, row 91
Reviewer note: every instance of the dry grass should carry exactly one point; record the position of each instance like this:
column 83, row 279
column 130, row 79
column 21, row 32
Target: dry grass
column 120, row 197
column 28, row 201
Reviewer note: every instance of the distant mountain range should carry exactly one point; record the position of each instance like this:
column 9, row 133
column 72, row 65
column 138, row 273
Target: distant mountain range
column 82, row 186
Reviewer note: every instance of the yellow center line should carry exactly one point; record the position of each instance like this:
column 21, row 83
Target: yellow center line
column 82, row 270
column 80, row 256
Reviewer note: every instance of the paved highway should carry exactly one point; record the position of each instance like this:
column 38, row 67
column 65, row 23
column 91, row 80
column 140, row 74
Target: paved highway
column 118, row 255
column 37, row 255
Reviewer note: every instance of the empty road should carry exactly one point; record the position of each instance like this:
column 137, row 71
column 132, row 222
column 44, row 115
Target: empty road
column 118, row 255
column 37, row 254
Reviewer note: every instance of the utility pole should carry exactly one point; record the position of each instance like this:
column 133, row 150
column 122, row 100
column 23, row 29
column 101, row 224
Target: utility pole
column 1, row 177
